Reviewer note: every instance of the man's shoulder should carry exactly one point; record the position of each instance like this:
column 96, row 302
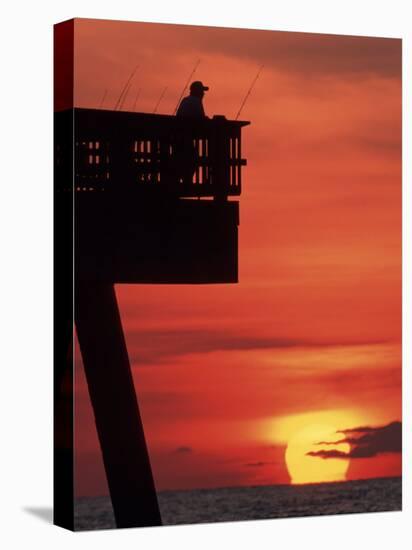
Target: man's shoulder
column 191, row 100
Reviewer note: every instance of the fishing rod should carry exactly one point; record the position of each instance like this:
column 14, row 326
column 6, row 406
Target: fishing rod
column 160, row 99
column 136, row 98
column 124, row 96
column 103, row 98
column 125, row 87
column 249, row 91
column 186, row 85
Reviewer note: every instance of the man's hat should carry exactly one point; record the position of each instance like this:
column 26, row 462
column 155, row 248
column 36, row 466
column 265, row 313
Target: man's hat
column 197, row 85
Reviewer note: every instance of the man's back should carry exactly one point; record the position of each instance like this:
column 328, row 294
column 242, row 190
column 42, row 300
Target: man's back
column 191, row 106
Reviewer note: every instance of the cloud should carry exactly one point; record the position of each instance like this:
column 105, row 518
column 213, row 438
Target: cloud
column 259, row 464
column 365, row 441
column 307, row 54
column 158, row 345
column 329, row 454
column 183, row 450
column 153, row 346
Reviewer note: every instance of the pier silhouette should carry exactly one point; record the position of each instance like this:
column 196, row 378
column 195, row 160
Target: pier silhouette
column 141, row 199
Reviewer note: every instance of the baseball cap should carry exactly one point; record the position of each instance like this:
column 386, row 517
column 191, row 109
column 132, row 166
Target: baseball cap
column 198, row 85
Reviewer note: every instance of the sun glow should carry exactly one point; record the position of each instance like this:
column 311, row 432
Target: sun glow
column 310, row 433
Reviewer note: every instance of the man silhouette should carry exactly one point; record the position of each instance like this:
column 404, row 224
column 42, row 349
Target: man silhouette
column 186, row 155
column 192, row 105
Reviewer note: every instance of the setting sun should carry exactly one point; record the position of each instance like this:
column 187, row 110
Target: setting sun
column 304, row 468
column 312, row 432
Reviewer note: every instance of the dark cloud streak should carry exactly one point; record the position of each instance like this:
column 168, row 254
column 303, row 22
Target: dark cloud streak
column 151, row 347
column 304, row 54
column 259, row 464
column 183, row 450
column 370, row 442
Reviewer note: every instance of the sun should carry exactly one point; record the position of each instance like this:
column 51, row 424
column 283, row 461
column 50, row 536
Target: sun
column 303, row 468
column 301, row 434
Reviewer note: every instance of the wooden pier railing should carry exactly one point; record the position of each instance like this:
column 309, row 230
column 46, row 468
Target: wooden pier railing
column 155, row 153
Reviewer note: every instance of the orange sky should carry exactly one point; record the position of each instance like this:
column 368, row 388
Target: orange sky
column 314, row 324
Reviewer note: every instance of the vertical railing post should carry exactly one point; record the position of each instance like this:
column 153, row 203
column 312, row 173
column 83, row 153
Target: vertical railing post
column 221, row 156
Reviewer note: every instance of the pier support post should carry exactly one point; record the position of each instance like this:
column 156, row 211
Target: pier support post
column 118, row 422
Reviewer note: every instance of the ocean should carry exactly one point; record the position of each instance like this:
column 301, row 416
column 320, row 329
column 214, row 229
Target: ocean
column 251, row 503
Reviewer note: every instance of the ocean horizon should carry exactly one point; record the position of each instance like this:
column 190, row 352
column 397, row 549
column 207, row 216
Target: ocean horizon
column 228, row 504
